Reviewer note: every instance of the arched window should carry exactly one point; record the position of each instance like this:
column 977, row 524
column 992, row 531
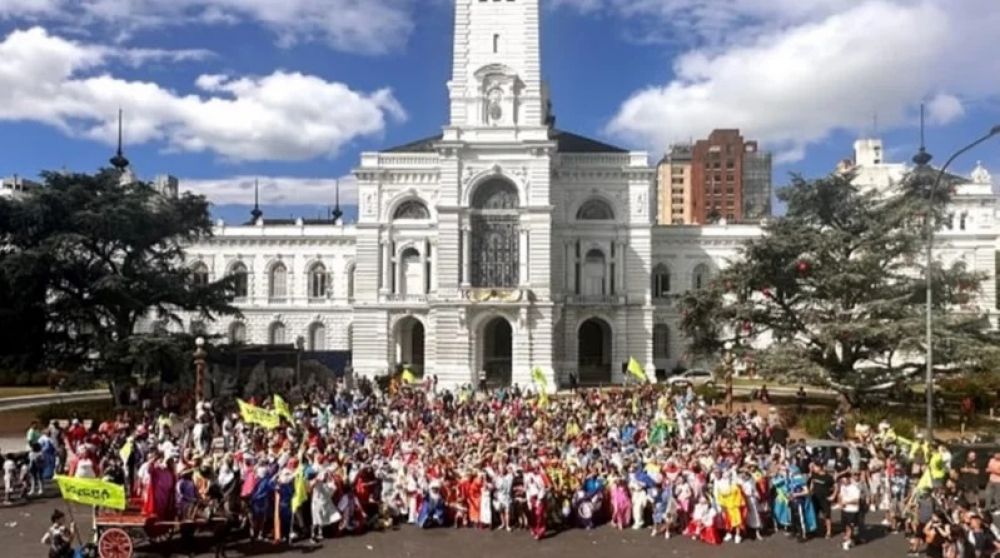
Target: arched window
column 199, row 274
column 350, row 282
column 276, row 334
column 240, row 283
column 661, row 342
column 700, row 277
column 317, row 337
column 317, row 281
column 237, row 333
column 411, row 209
column 278, row 284
column 661, row 281
column 495, row 241
column 595, row 210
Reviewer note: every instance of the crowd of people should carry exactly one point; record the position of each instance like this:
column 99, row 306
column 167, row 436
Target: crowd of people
column 353, row 459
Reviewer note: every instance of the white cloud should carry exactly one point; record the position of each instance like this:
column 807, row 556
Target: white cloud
column 366, row 26
column 274, row 190
column 790, row 73
column 944, row 108
column 281, row 116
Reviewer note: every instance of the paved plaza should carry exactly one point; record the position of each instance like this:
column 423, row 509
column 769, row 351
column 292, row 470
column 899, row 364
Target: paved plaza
column 21, row 528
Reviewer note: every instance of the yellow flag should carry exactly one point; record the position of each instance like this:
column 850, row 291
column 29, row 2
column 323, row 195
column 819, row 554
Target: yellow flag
column 255, row 415
column 281, row 408
column 635, row 369
column 301, row 489
column 540, row 380
column 126, row 451
column 409, row 377
column 93, row 492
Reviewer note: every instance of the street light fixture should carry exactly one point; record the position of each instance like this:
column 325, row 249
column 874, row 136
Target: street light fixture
column 922, row 158
column 200, row 354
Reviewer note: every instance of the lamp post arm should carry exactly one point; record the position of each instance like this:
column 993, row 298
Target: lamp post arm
column 993, row 132
column 929, row 227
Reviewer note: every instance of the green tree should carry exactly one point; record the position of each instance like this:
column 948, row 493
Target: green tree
column 837, row 283
column 85, row 258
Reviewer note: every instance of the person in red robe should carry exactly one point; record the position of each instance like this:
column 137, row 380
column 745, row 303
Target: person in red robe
column 474, row 499
column 158, row 497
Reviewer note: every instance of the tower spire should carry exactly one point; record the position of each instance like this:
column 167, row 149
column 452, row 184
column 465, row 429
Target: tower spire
column 337, row 213
column 256, row 214
column 119, row 161
column 922, row 157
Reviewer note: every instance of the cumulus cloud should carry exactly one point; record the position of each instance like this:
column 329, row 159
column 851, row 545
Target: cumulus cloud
column 790, row 73
column 274, row 190
column 944, row 108
column 281, row 116
column 365, row 26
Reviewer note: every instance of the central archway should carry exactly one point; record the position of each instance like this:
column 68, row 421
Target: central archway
column 409, row 344
column 594, row 354
column 498, row 352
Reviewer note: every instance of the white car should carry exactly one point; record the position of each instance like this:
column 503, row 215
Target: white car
column 694, row 377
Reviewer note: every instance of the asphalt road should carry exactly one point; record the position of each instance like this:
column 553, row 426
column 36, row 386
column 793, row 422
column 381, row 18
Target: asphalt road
column 21, row 528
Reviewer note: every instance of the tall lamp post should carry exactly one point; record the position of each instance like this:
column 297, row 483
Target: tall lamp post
column 200, row 354
column 922, row 158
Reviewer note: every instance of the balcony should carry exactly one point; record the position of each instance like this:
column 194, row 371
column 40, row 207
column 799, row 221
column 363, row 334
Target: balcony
column 600, row 300
column 403, row 297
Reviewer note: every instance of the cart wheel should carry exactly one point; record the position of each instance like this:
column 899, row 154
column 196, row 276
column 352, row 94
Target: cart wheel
column 114, row 543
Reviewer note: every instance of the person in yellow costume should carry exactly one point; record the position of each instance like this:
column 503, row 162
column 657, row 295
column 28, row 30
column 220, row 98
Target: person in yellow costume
column 729, row 497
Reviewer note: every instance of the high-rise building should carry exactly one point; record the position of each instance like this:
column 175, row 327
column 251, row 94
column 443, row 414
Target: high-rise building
column 756, row 183
column 730, row 179
column 673, row 185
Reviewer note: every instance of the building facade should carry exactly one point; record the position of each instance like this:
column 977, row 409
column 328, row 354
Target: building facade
column 503, row 244
column 674, row 188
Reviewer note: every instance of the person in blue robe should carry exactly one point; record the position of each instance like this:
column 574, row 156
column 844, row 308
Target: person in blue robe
column 781, row 508
column 432, row 511
column 262, row 503
column 805, row 514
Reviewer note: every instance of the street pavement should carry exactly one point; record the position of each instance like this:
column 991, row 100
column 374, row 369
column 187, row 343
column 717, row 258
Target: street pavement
column 21, row 529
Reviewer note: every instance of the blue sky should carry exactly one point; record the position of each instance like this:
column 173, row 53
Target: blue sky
column 218, row 92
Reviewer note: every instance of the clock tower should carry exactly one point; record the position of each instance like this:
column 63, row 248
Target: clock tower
column 496, row 78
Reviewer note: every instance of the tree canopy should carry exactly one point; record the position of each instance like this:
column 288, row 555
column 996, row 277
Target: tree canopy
column 837, row 283
column 84, row 258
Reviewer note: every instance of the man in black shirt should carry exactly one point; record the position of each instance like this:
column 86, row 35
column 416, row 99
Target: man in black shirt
column 968, row 480
column 823, row 489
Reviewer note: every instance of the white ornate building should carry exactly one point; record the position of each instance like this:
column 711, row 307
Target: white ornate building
column 502, row 244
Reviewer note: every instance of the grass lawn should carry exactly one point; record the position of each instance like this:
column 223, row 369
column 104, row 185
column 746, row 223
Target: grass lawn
column 23, row 390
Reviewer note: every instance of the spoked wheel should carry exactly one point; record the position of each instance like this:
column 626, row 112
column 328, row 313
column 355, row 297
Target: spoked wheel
column 115, row 543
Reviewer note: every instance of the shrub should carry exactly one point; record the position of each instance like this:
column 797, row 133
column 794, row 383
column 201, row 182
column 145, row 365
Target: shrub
column 903, row 424
column 815, row 423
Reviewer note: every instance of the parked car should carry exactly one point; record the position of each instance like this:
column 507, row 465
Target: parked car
column 694, row 377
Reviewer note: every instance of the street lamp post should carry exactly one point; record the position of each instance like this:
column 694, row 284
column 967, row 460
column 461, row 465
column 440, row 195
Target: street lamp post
column 727, row 360
column 200, row 354
column 922, row 158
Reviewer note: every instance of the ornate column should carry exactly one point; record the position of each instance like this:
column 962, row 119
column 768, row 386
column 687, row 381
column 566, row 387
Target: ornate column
column 425, row 284
column 620, row 267
column 466, row 255
column 569, row 264
column 386, row 266
column 522, row 257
